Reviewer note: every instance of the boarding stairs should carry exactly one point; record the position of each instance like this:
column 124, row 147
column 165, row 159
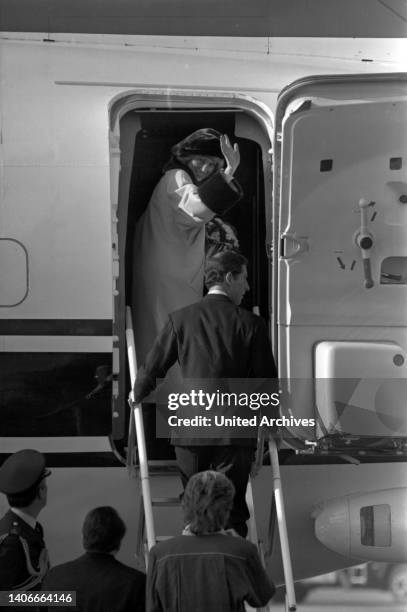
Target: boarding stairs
column 148, row 470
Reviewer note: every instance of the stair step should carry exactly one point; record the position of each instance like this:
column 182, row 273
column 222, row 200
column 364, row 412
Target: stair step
column 159, row 468
column 166, row 501
column 163, row 538
column 162, row 463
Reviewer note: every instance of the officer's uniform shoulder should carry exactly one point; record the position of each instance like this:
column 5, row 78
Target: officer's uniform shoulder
column 11, row 523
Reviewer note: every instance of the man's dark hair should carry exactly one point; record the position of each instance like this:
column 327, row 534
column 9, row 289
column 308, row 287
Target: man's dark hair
column 24, row 498
column 219, row 265
column 207, row 501
column 102, row 530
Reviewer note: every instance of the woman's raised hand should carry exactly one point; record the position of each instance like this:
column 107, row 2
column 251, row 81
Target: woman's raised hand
column 231, row 155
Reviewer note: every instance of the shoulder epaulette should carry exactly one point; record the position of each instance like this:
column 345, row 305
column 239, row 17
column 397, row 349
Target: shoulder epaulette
column 35, row 577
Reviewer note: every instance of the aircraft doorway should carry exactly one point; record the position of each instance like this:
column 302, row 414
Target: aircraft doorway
column 146, row 137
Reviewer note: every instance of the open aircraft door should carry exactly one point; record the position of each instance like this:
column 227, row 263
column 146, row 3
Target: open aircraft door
column 340, row 320
column 340, row 292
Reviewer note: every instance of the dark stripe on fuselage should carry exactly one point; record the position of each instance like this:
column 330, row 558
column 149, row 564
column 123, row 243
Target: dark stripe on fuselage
column 55, row 327
column 76, row 460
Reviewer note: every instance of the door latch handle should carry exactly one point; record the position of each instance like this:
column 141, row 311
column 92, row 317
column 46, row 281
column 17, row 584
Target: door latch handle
column 292, row 245
column 364, row 241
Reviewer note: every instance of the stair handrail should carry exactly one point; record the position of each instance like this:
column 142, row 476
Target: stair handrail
column 290, row 602
column 256, row 467
column 141, row 440
column 253, row 538
column 252, row 525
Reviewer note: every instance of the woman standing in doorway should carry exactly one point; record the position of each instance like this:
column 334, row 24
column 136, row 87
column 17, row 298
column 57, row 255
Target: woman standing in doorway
column 169, row 246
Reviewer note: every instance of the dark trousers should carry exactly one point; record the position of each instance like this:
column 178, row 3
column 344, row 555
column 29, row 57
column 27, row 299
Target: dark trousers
column 234, row 461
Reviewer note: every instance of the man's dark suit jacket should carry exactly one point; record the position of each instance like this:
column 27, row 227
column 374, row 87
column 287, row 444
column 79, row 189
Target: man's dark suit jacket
column 212, row 339
column 102, row 584
column 13, row 563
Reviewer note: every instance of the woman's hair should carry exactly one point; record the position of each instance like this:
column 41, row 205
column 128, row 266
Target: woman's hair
column 207, row 502
column 217, row 266
column 102, row 530
column 220, row 236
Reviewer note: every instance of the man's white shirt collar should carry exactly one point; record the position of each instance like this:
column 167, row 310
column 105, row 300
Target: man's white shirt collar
column 25, row 517
column 217, row 292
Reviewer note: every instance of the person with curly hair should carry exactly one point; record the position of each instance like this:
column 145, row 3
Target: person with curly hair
column 220, row 236
column 206, row 568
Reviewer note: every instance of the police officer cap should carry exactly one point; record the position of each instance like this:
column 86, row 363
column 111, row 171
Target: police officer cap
column 21, row 471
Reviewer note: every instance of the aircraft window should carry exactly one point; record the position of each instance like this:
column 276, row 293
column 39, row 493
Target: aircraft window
column 396, row 163
column 375, row 525
column 326, row 165
column 394, row 271
column 14, row 272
